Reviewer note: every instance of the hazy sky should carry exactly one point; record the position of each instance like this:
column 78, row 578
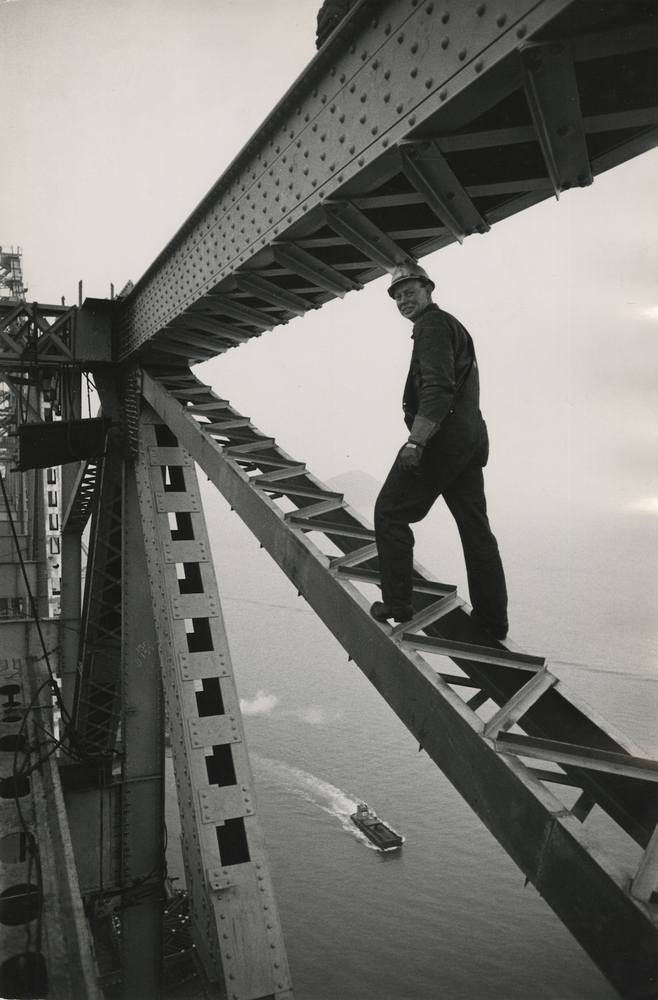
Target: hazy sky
column 119, row 115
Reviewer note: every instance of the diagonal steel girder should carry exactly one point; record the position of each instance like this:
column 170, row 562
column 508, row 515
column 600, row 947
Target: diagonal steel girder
column 386, row 71
column 587, row 890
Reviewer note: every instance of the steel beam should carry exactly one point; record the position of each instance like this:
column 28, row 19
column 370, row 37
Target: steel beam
column 97, row 701
column 385, row 73
column 78, row 496
column 575, row 755
column 252, row 284
column 426, row 168
column 71, row 560
column 519, row 703
column 196, row 344
column 232, row 908
column 196, row 321
column 142, row 776
column 551, row 847
column 297, row 260
column 222, row 305
column 552, row 93
column 372, row 241
column 394, row 79
column 645, row 883
column 472, row 652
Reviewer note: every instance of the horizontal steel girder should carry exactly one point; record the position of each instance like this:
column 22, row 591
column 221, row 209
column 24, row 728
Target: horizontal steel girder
column 546, row 840
column 472, row 81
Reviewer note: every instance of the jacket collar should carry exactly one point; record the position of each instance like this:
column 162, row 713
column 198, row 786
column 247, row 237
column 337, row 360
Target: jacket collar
column 431, row 307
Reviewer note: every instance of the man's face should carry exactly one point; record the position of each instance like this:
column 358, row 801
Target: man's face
column 411, row 297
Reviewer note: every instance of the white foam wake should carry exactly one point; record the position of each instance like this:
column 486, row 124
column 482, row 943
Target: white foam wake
column 337, row 803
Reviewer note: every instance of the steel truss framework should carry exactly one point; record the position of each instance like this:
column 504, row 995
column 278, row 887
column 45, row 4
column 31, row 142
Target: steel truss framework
column 608, row 912
column 416, row 125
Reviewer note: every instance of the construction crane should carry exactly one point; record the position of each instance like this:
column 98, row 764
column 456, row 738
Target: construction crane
column 416, row 125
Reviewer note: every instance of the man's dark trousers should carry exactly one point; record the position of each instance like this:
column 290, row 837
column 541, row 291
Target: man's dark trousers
column 407, row 496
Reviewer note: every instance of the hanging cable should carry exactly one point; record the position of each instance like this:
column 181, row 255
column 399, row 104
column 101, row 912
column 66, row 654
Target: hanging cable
column 33, row 606
column 80, row 753
column 32, row 844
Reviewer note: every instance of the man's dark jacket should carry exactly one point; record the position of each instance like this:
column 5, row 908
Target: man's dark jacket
column 442, row 393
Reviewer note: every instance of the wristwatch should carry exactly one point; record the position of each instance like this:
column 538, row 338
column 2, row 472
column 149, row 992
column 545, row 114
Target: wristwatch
column 410, row 444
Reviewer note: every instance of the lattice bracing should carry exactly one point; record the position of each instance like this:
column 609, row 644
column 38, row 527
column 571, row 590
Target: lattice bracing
column 98, row 694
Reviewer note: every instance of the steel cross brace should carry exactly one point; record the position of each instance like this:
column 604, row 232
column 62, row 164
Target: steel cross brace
column 545, row 839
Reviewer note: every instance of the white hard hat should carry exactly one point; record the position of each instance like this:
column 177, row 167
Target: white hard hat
column 403, row 272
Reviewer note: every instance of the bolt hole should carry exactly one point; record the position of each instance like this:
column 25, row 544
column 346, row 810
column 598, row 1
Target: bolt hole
column 19, row 904
column 14, row 787
column 14, row 848
column 24, row 976
column 9, row 744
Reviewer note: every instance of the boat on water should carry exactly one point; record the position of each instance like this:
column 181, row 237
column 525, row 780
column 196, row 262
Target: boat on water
column 381, row 835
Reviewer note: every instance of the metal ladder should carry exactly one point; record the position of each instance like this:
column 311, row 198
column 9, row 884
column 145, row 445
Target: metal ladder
column 611, row 912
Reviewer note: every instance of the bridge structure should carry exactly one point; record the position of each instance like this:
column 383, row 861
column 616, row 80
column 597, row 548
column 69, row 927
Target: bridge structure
column 416, row 125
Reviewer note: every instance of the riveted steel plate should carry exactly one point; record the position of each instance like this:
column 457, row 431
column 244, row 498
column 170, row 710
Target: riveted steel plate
column 194, row 606
column 246, row 954
column 185, row 552
column 196, row 666
column 228, row 802
column 169, row 456
column 354, row 101
column 167, row 503
column 213, row 731
column 223, row 878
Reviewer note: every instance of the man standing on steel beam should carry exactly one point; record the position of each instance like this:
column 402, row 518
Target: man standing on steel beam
column 444, row 456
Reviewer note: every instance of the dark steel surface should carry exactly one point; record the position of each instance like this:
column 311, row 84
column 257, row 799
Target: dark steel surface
column 143, row 864
column 98, row 694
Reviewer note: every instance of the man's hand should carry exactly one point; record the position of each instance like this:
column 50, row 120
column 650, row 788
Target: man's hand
column 410, row 455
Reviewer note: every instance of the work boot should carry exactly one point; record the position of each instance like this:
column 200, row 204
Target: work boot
column 498, row 630
column 382, row 611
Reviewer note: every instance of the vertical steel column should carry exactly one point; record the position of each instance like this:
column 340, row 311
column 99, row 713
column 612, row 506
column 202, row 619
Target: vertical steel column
column 37, row 544
column 234, row 918
column 142, row 729
column 97, row 703
column 71, row 565
column 71, row 595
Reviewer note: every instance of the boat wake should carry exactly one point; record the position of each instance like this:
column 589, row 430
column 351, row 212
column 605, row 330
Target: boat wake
column 309, row 787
